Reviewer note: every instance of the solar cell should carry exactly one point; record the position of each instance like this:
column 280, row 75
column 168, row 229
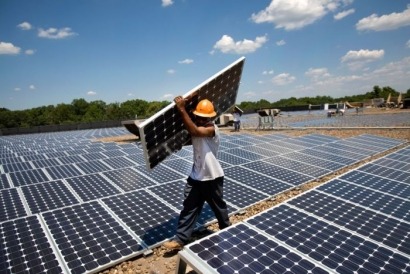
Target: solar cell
column 94, row 156
column 275, row 148
column 25, row 248
column 231, row 159
column 18, row 166
column 183, row 166
column 89, row 238
column 347, row 154
column 391, row 163
column 244, row 153
column 46, row 163
column 165, row 133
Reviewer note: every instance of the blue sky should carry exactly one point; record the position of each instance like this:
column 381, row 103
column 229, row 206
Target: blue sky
column 52, row 51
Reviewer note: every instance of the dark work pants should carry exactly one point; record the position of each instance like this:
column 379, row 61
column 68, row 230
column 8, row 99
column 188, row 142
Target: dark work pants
column 196, row 194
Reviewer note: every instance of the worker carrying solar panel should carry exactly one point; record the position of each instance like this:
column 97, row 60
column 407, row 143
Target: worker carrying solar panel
column 205, row 183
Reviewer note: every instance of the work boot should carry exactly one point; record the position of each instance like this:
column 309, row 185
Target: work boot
column 173, row 245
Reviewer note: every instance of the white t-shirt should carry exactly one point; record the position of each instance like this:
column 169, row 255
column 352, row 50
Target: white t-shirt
column 236, row 117
column 206, row 166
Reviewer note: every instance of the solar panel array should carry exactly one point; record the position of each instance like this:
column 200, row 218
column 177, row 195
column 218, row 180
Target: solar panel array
column 358, row 222
column 69, row 204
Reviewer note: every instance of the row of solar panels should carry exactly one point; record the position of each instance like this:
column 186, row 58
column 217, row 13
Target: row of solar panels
column 93, row 219
column 356, row 223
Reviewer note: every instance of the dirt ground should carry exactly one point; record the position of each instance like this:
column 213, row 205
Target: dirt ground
column 162, row 261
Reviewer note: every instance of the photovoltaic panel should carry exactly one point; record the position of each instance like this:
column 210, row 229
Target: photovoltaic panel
column 118, row 162
column 378, row 227
column 395, row 164
column 275, row 148
column 245, row 154
column 173, row 194
column 394, row 206
column 4, row 181
column 47, row 196
column 399, row 157
column 11, row 206
column 146, row 216
column 231, row 159
column 63, row 171
column 92, row 186
column 93, row 167
column 288, row 176
column 46, row 163
column 128, row 179
column 183, row 166
column 256, row 180
column 347, row 154
column 161, row 174
column 261, row 151
column 165, row 133
column 242, row 249
column 327, row 244
column 241, row 196
column 316, row 161
column 94, row 156
column 301, row 167
column 25, row 248
column 386, row 172
column 329, row 156
column 89, row 238
column 382, row 184
column 27, row 177
column 18, row 166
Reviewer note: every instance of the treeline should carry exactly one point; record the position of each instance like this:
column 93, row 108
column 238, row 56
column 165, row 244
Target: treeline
column 81, row 111
column 377, row 92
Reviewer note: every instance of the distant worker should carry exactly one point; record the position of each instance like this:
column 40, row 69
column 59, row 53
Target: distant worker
column 205, row 183
column 236, row 120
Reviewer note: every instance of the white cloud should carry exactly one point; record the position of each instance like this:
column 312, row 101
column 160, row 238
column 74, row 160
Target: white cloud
column 227, row 45
column 91, row 93
column 32, row 87
column 17, row 89
column 385, row 22
column 281, row 43
column 8, row 48
column 408, row 44
column 168, row 96
column 358, row 59
column 24, row 26
column 171, row 71
column 29, row 51
column 166, row 3
column 317, row 73
column 283, row 79
column 186, row 61
column 362, row 55
column 296, row 14
column 343, row 14
column 53, row 33
column 266, row 72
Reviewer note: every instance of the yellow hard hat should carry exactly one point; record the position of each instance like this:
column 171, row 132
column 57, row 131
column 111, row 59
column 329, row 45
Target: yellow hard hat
column 205, row 108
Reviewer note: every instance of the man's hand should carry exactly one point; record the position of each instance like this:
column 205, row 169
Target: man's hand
column 180, row 102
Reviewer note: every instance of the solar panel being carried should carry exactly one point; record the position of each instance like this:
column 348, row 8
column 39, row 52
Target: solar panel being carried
column 165, row 133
